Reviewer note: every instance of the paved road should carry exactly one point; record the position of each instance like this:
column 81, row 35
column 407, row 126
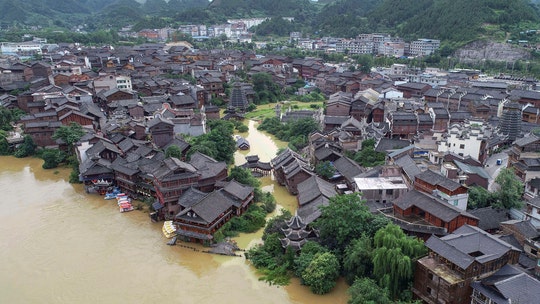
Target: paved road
column 493, row 169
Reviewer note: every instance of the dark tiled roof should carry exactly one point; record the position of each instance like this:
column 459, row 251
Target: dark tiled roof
column 389, row 144
column 237, row 190
column 171, row 167
column 489, row 218
column 335, row 120
column 312, row 188
column 468, row 169
column 529, row 139
column 208, row 209
column 458, row 246
column 347, row 167
column 525, row 228
column 190, row 197
column 509, row 285
column 408, row 165
column 430, row 204
column 434, row 178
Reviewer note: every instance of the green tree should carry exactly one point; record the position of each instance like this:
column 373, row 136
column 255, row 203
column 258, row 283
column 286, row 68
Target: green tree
column 265, row 88
column 69, row 134
column 367, row 156
column 325, row 169
column 244, row 176
column 366, row 291
column 357, row 259
column 322, row 273
column 218, row 143
column 8, row 117
column 4, row 146
column 52, row 157
column 510, row 190
column 307, row 254
column 343, row 220
column 173, row 151
column 26, row 148
column 479, row 197
column 393, row 258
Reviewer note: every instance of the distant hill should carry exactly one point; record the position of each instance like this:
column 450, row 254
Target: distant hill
column 115, row 12
column 459, row 21
column 260, row 8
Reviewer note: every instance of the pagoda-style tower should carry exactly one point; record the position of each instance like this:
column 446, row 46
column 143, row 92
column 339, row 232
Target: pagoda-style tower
column 238, row 98
column 296, row 233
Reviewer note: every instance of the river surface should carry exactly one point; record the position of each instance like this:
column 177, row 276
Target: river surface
column 61, row 245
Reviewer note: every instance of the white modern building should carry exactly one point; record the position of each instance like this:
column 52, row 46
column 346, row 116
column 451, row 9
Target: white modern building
column 21, row 49
column 424, row 47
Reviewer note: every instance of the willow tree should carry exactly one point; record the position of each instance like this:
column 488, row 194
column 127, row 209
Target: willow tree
column 393, row 257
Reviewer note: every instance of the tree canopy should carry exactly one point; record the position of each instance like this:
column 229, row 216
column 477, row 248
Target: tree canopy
column 173, row 151
column 69, row 134
column 393, row 258
column 295, row 132
column 366, row 291
column 508, row 195
column 510, row 189
column 343, row 220
column 322, row 273
column 218, row 143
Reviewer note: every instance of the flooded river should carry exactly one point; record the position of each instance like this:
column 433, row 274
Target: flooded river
column 61, row 245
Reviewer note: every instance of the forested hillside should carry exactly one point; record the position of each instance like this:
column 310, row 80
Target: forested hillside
column 458, row 21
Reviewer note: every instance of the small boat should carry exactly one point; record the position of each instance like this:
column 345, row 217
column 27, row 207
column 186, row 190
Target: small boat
column 125, row 207
column 123, row 199
column 169, row 230
column 111, row 194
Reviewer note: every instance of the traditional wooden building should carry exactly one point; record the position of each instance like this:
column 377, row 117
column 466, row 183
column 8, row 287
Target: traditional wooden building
column 423, row 210
column 523, row 157
column 211, row 171
column 403, row 124
column 171, row 178
column 257, row 167
column 312, row 194
column 202, row 214
column 281, row 162
column 162, row 131
column 455, row 261
column 413, row 89
column 450, row 191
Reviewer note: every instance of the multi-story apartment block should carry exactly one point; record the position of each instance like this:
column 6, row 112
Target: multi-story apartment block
column 391, row 48
column 424, row 47
column 354, row 46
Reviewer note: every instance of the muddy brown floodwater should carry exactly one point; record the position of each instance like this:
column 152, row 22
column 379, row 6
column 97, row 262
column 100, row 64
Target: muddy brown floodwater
column 61, row 245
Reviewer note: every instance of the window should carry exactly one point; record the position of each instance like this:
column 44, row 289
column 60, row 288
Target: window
column 430, row 276
column 389, row 191
column 462, row 146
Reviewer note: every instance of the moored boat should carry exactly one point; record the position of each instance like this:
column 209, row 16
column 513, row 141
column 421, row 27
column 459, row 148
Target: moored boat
column 125, row 207
column 169, row 230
